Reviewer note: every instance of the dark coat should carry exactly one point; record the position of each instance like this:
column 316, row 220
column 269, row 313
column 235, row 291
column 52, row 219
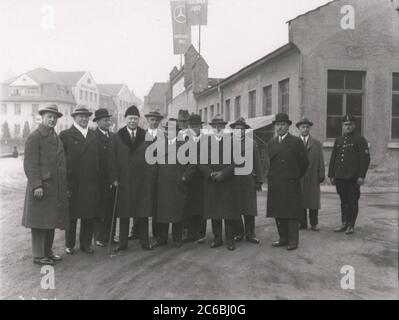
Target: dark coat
column 350, row 158
column 245, row 185
column 106, row 193
column 315, row 172
column 288, row 164
column 44, row 166
column 219, row 197
column 83, row 173
column 137, row 178
column 171, row 189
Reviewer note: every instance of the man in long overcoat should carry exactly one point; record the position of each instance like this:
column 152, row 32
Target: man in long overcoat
column 81, row 150
column 288, row 164
column 247, row 185
column 134, row 178
column 315, row 174
column 219, row 200
column 106, row 199
column 46, row 201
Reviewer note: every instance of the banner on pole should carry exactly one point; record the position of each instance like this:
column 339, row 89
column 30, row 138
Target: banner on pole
column 181, row 30
column 197, row 12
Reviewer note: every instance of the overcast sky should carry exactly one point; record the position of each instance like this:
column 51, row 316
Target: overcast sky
column 130, row 41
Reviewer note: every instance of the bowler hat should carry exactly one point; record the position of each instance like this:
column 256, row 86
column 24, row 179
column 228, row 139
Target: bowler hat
column 53, row 108
column 81, row 110
column 100, row 114
column 195, row 119
column 348, row 118
column 240, row 122
column 304, row 121
column 218, row 119
column 155, row 114
column 183, row 115
column 132, row 111
column 282, row 117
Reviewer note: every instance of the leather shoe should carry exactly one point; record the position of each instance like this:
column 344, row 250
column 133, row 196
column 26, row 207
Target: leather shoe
column 120, row 248
column 315, row 228
column 147, row 247
column 238, row 238
column 231, row 246
column 201, row 240
column 216, row 244
column 253, row 240
column 87, row 250
column 279, row 244
column 55, row 257
column 43, row 261
column 100, row 244
column 70, row 250
column 350, row 230
column 291, row 247
column 341, row 229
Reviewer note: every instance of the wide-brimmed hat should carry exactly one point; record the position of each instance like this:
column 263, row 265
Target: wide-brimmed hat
column 195, row 119
column 348, row 118
column 240, row 122
column 218, row 119
column 100, row 114
column 132, row 111
column 53, row 108
column 155, row 114
column 282, row 117
column 81, row 110
column 183, row 115
column 304, row 121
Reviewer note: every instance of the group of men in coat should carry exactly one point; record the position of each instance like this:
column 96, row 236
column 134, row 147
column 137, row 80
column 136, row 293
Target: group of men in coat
column 84, row 174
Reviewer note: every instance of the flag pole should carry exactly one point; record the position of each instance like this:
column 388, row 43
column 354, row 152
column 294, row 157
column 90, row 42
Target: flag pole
column 199, row 39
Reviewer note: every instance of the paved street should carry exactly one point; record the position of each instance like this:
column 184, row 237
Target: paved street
column 198, row 272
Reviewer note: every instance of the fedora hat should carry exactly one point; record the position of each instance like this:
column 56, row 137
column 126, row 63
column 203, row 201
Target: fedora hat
column 155, row 114
column 81, row 110
column 100, row 114
column 195, row 119
column 282, row 117
column 240, row 122
column 183, row 115
column 53, row 108
column 218, row 119
column 304, row 121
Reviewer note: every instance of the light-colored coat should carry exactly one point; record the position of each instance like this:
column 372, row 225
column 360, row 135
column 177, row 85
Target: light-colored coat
column 44, row 166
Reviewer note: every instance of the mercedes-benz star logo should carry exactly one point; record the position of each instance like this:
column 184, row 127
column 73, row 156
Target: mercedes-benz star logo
column 179, row 15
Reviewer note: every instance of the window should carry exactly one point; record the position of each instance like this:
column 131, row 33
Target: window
column 344, row 96
column 3, row 108
column 86, row 96
column 206, row 115
column 35, row 109
column 284, row 96
column 17, row 130
column 91, row 96
column 227, row 110
column 15, row 92
column 252, row 104
column 218, row 108
column 237, row 107
column 81, row 94
column 212, row 111
column 267, row 101
column 17, row 109
column 395, row 107
column 200, row 113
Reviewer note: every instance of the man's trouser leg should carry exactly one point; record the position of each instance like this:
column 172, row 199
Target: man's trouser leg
column 143, row 231
column 217, row 229
column 314, row 217
column 123, row 232
column 177, row 232
column 70, row 234
column 249, row 227
column 293, row 232
column 86, row 232
column 282, row 228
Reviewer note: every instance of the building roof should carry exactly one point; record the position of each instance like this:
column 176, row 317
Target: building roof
column 157, row 93
column 311, row 11
column 112, row 89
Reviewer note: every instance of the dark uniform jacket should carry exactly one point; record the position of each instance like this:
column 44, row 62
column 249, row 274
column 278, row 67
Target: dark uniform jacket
column 83, row 172
column 288, row 164
column 350, row 157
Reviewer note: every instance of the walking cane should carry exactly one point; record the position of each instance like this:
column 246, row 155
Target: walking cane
column 113, row 220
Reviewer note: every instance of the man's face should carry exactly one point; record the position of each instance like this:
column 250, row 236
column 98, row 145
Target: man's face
column 218, row 127
column 348, row 127
column 182, row 124
column 196, row 128
column 104, row 124
column 153, row 122
column 49, row 119
column 239, row 131
column 304, row 130
column 281, row 128
column 132, row 122
column 82, row 120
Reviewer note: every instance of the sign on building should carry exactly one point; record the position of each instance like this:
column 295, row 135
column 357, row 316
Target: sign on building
column 197, row 12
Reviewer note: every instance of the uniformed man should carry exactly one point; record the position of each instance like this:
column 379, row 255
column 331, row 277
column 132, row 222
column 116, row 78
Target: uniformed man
column 247, row 185
column 103, row 133
column 288, row 164
column 83, row 173
column 315, row 174
column 350, row 160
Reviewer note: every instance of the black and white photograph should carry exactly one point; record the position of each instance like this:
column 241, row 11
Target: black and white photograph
column 188, row 152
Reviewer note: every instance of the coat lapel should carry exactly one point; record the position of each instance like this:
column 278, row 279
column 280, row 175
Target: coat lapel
column 125, row 137
column 310, row 143
column 276, row 148
column 89, row 139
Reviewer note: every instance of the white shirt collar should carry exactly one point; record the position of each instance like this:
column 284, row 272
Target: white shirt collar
column 83, row 131
column 305, row 138
column 197, row 138
column 153, row 132
column 131, row 131
column 283, row 137
column 105, row 133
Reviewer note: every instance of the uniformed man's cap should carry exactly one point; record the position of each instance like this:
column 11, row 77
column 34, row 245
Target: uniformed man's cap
column 348, row 118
